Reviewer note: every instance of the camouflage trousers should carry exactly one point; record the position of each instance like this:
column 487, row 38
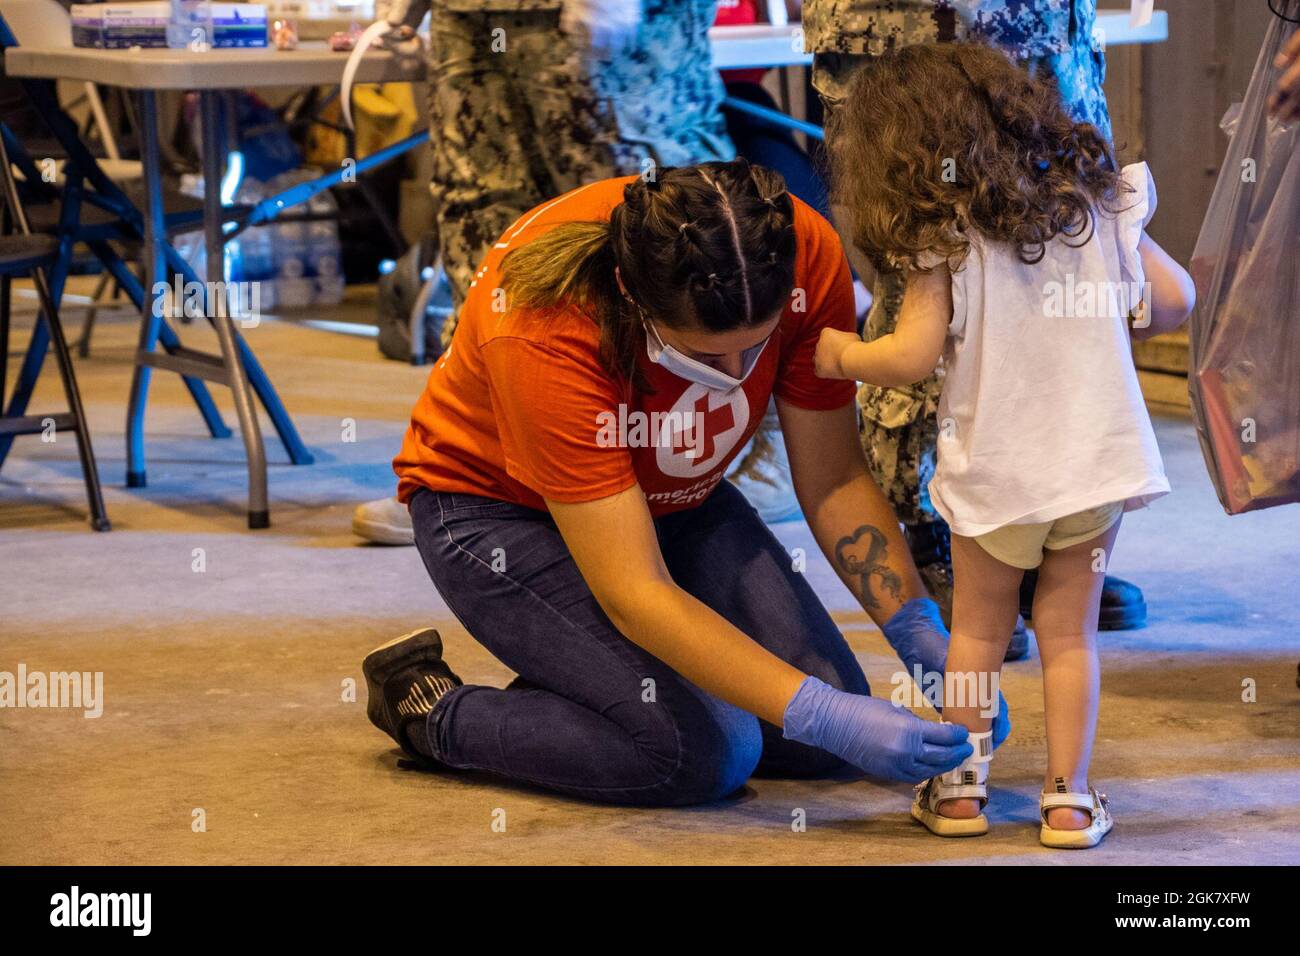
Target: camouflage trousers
column 518, row 116
column 899, row 426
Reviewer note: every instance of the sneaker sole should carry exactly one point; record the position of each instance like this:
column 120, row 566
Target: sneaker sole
column 377, row 532
column 950, row 826
column 424, row 644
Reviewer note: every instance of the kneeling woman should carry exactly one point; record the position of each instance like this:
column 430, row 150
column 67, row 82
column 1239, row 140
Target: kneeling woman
column 564, row 471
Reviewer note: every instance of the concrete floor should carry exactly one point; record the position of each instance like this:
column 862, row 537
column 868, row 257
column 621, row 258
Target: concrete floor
column 225, row 689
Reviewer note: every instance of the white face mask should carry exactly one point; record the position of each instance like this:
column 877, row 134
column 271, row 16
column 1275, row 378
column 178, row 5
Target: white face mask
column 692, row 370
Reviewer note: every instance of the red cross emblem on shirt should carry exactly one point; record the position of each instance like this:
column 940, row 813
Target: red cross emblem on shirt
column 710, row 421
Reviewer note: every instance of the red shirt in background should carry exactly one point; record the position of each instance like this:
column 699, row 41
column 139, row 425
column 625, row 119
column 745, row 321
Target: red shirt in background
column 733, row 13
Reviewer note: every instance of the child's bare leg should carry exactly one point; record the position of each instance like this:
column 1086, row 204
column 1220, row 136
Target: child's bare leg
column 986, row 600
column 1066, row 604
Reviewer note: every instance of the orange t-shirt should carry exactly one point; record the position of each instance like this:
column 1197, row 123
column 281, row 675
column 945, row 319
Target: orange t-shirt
column 520, row 409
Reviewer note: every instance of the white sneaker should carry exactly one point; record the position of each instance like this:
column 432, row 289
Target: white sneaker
column 385, row 521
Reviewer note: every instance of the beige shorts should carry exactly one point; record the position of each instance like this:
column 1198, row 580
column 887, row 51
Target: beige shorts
column 1021, row 545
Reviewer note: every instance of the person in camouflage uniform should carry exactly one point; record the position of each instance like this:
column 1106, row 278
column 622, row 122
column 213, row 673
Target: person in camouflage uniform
column 1050, row 38
column 522, row 111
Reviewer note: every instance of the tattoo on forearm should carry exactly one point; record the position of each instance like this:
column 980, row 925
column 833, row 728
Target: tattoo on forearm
column 863, row 555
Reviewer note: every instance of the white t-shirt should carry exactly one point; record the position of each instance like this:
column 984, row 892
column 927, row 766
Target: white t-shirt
column 1041, row 415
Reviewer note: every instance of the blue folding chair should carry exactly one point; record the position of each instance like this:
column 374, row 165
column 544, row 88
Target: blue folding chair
column 88, row 193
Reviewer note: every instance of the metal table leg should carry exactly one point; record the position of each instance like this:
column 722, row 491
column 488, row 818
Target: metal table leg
column 167, row 337
column 226, row 369
column 155, row 235
column 218, row 313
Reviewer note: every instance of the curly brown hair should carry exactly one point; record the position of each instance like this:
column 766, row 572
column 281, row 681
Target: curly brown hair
column 708, row 247
column 937, row 140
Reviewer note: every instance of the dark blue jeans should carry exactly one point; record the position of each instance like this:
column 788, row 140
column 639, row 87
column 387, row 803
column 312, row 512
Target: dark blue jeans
column 592, row 715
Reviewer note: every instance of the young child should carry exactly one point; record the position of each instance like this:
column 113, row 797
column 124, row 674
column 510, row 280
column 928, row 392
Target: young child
column 1025, row 260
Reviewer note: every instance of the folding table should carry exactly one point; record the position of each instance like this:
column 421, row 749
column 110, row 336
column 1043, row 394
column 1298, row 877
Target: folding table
column 144, row 73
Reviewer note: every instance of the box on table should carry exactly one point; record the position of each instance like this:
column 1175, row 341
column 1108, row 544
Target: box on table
column 116, row 26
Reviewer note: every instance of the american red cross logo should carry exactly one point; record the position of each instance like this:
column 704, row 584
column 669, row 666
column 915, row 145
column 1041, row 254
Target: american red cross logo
column 723, row 418
column 709, row 421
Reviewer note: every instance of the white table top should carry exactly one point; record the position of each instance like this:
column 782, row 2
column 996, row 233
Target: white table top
column 314, row 64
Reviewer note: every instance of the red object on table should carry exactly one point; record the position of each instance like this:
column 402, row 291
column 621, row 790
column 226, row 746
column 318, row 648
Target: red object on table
column 344, row 41
column 735, row 13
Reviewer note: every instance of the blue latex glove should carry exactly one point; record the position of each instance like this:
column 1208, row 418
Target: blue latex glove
column 873, row 734
column 917, row 635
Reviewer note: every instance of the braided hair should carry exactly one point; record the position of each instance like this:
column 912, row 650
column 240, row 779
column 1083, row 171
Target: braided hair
column 708, row 247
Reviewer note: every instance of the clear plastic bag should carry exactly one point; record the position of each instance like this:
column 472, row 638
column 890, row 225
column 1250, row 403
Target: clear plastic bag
column 1244, row 378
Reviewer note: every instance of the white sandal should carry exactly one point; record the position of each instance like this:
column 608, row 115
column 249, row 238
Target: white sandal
column 1091, row 802
column 970, row 780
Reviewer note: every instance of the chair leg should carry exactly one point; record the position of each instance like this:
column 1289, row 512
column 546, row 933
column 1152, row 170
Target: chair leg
column 275, row 410
column 28, row 373
column 136, row 477
column 5, row 296
column 155, row 241
column 83, row 340
column 63, row 356
column 37, row 346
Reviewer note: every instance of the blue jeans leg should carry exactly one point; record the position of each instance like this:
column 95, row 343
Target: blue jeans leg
column 596, row 717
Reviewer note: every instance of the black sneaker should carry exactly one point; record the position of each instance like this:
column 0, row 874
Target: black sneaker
column 931, row 546
column 404, row 679
column 1122, row 605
